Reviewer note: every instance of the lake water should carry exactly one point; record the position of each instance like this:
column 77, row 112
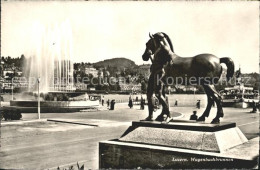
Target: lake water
column 183, row 99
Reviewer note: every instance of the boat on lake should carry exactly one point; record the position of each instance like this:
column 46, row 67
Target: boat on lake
column 239, row 96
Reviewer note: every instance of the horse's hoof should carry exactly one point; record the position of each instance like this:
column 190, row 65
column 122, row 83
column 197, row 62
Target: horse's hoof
column 220, row 114
column 159, row 118
column 215, row 121
column 201, row 119
column 168, row 119
column 149, row 118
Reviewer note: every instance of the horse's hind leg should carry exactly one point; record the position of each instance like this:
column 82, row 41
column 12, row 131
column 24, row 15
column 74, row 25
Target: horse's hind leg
column 165, row 108
column 209, row 104
column 217, row 98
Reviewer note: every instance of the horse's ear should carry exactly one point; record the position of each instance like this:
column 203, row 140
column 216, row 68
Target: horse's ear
column 151, row 35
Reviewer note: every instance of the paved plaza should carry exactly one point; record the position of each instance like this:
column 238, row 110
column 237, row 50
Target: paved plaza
column 42, row 144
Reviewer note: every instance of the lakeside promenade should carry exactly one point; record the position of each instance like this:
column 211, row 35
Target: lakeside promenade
column 34, row 144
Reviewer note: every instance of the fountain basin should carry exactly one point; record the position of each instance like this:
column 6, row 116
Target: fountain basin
column 52, row 106
column 54, row 103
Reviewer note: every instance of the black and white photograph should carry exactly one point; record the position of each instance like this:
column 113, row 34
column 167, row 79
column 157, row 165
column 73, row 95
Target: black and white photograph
column 129, row 85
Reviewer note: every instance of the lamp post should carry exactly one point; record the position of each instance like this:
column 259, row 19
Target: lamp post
column 39, row 111
column 194, row 89
column 12, row 88
column 13, row 68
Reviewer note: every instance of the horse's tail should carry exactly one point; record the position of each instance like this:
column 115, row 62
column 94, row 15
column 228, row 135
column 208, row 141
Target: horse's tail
column 230, row 66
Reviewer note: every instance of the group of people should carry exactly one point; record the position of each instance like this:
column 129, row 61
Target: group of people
column 142, row 102
column 110, row 104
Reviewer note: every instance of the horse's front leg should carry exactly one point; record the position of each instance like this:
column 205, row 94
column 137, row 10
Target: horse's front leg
column 159, row 87
column 150, row 90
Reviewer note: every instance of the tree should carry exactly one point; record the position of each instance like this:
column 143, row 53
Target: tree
column 105, row 87
column 22, row 61
column 3, row 59
column 128, row 79
column 115, row 87
column 143, row 87
column 140, row 78
column 9, row 60
column 76, row 66
column 122, row 73
column 83, row 75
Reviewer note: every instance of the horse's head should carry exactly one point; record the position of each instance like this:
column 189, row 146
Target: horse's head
column 155, row 43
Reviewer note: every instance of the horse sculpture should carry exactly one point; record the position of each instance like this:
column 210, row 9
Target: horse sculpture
column 202, row 69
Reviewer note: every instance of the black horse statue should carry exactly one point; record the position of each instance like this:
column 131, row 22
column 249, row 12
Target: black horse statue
column 202, row 69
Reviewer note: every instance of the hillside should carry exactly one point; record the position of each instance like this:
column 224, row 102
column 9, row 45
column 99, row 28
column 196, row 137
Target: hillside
column 120, row 63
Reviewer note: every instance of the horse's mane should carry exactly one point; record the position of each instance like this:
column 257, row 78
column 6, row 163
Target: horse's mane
column 168, row 39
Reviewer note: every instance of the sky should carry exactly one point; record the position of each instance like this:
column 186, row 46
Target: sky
column 101, row 30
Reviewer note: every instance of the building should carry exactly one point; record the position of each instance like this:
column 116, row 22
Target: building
column 91, row 70
column 121, row 80
column 131, row 87
column 100, row 73
column 186, row 88
column 8, row 85
column 145, row 69
column 7, row 72
column 81, row 86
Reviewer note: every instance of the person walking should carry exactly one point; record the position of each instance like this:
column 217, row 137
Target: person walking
column 130, row 103
column 102, row 101
column 108, row 103
column 142, row 103
column 112, row 107
column 254, row 107
column 198, row 104
column 176, row 103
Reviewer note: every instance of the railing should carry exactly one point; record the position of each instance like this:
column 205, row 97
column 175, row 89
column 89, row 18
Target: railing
column 126, row 101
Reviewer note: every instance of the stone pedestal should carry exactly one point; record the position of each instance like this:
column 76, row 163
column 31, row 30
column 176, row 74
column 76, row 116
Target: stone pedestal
column 184, row 144
column 188, row 135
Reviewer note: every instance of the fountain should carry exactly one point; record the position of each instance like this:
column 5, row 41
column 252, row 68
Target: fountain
column 49, row 59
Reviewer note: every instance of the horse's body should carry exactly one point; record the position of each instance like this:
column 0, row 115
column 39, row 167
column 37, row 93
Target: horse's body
column 167, row 68
column 200, row 66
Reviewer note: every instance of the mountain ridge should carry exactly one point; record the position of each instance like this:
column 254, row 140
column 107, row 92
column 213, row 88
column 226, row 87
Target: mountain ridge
column 119, row 62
